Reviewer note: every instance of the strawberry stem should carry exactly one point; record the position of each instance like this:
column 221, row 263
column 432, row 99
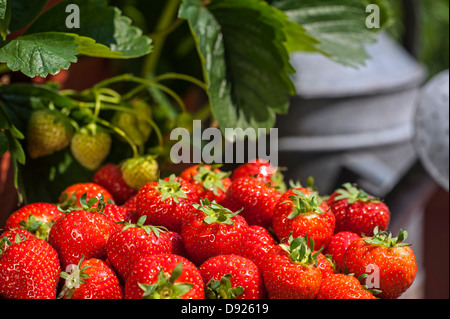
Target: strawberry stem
column 352, row 193
column 215, row 213
column 304, row 203
column 166, row 288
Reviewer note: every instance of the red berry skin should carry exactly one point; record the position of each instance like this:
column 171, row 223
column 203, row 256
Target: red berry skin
column 203, row 241
column 341, row 286
column 110, row 177
column 102, row 284
column 146, row 270
column 80, row 233
column 359, row 217
column 325, row 266
column 243, row 272
column 189, row 175
column 125, row 248
column 337, row 246
column 11, row 234
column 258, row 168
column 317, row 225
column 118, row 214
column 396, row 266
column 259, row 242
column 44, row 212
column 29, row 270
column 91, row 189
column 167, row 213
column 285, row 279
column 255, row 197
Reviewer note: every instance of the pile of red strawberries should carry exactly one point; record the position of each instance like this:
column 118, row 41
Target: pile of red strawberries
column 205, row 234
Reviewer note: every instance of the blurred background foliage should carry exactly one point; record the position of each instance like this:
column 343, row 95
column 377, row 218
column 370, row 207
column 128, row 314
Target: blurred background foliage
column 426, row 35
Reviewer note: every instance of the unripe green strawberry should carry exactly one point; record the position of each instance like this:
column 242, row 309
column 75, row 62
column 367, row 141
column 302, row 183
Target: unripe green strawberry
column 136, row 127
column 48, row 131
column 138, row 171
column 90, row 146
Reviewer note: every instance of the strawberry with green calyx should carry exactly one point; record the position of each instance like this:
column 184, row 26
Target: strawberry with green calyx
column 326, row 265
column 29, row 267
column 110, row 177
column 70, row 196
column 255, row 197
column 290, row 270
column 118, row 214
column 164, row 276
column 211, row 182
column 167, row 202
column 222, row 289
column 128, row 245
column 138, row 171
column 37, row 218
column 90, row 146
column 263, row 170
column 342, row 286
column 48, row 131
column 213, row 230
column 232, row 277
column 91, row 279
column 167, row 288
column 357, row 211
column 302, row 211
column 389, row 262
column 82, row 231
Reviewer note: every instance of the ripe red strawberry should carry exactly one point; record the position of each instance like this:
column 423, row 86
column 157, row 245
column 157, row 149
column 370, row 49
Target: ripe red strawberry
column 390, row 263
column 358, row 212
column 301, row 211
column 90, row 146
column 110, row 177
column 167, row 202
column 91, row 279
column 138, row 171
column 342, row 286
column 259, row 242
column 81, row 232
column 118, row 214
column 70, row 197
column 232, row 277
column 48, row 131
column 255, row 197
column 261, row 169
column 213, row 230
column 164, row 276
column 37, row 218
column 210, row 181
column 290, row 270
column 326, row 265
column 29, row 268
column 337, row 246
column 11, row 235
column 128, row 245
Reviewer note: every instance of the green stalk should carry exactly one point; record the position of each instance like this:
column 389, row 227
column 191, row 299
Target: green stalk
column 166, row 20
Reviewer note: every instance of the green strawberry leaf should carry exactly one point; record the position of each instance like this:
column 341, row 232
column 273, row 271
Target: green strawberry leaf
column 23, row 12
column 246, row 64
column 114, row 33
column 41, row 54
column 339, row 25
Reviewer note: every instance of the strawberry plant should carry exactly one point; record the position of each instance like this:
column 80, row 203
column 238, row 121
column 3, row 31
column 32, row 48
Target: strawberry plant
column 160, row 59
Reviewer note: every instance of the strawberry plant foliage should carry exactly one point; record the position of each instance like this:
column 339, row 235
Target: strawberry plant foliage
column 49, row 45
column 237, row 51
